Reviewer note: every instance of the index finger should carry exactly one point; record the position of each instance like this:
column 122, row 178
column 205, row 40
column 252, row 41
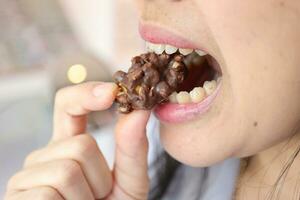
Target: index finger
column 72, row 104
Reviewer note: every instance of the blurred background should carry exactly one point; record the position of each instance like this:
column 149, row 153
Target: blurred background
column 49, row 44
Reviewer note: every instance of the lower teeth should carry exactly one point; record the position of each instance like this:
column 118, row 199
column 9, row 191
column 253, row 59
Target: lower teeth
column 183, row 97
column 210, row 86
column 197, row 95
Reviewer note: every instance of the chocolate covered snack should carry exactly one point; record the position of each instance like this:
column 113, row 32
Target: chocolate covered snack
column 149, row 81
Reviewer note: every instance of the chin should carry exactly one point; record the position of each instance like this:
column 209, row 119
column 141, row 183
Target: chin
column 192, row 152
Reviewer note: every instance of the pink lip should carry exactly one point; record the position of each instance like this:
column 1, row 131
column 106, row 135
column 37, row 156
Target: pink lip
column 157, row 35
column 175, row 113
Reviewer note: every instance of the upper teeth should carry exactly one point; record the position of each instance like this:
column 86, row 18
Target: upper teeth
column 158, row 48
column 201, row 53
column 169, row 49
column 186, row 51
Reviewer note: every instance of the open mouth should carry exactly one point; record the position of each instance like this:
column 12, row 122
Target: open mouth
column 200, row 88
column 204, row 74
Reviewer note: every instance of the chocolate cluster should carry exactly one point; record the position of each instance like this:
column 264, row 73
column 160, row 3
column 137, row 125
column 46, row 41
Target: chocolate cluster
column 149, row 81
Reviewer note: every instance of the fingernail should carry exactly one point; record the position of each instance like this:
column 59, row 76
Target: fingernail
column 104, row 88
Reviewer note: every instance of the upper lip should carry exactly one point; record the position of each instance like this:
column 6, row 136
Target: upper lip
column 158, row 35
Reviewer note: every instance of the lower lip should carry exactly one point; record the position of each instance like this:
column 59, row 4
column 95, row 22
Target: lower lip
column 176, row 113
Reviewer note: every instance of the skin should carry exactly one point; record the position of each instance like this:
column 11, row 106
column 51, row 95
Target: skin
column 260, row 75
column 256, row 114
column 255, row 43
column 71, row 166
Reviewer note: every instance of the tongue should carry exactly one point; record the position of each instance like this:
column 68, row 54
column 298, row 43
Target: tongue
column 197, row 76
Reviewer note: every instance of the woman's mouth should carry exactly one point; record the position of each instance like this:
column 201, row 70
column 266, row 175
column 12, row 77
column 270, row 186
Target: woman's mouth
column 197, row 93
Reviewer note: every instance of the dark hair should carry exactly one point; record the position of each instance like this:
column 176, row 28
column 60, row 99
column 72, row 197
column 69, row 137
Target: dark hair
column 164, row 168
column 275, row 192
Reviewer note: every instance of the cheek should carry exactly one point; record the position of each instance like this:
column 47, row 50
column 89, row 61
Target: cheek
column 259, row 47
column 275, row 110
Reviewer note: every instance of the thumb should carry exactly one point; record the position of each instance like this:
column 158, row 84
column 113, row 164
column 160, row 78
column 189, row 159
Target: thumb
column 131, row 167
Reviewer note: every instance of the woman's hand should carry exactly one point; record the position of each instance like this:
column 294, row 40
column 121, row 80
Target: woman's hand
column 72, row 166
